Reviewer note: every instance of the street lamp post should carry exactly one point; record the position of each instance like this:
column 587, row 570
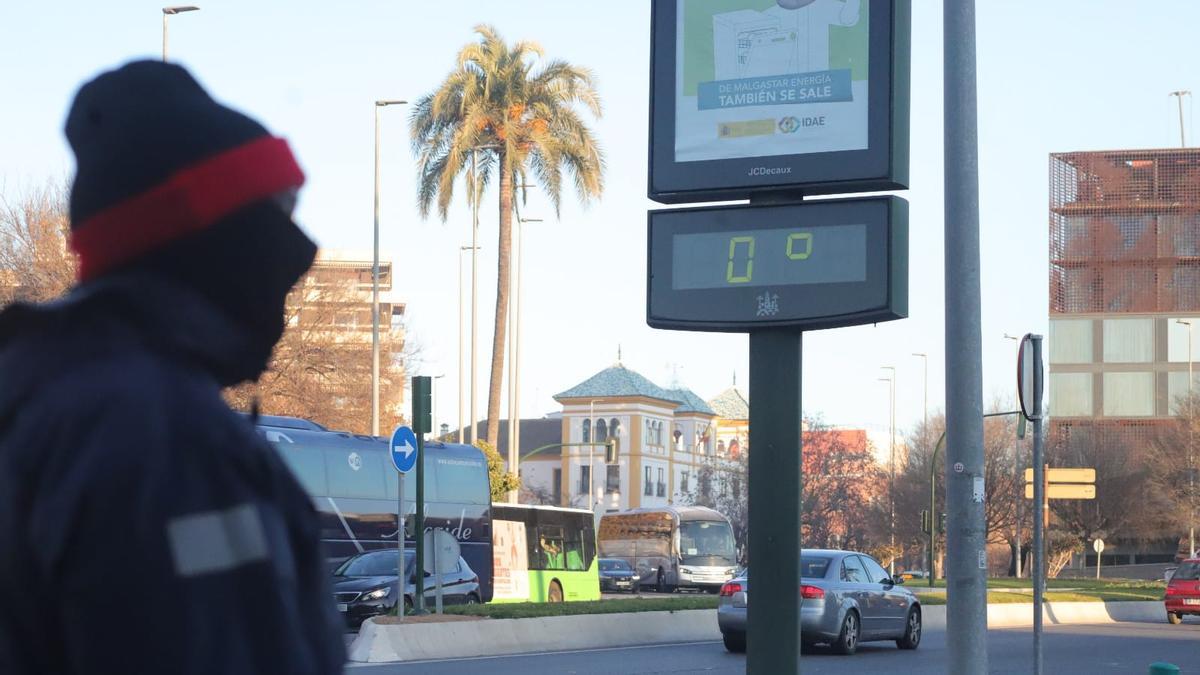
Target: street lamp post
column 1191, row 464
column 375, row 281
column 462, row 390
column 1017, row 468
column 892, row 469
column 171, row 11
column 434, row 405
column 514, row 360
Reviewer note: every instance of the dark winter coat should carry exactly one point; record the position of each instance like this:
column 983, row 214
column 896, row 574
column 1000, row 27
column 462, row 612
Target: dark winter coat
column 144, row 527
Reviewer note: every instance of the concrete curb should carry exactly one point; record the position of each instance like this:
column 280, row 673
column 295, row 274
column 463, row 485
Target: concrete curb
column 494, row 637
column 378, row 643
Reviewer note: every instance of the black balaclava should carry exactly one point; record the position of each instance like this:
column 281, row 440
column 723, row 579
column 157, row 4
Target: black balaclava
column 172, row 184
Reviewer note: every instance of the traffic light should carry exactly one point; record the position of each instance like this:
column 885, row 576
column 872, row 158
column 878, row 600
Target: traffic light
column 942, row 524
column 612, row 451
column 925, row 521
column 422, row 403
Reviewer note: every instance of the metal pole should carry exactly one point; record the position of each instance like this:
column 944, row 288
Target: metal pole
column 891, row 467
column 934, row 519
column 400, row 581
column 375, row 293
column 1179, row 96
column 966, row 555
column 775, row 503
column 513, row 373
column 164, row 37
column 474, row 284
column 462, row 432
column 419, row 530
column 1039, row 513
column 516, row 358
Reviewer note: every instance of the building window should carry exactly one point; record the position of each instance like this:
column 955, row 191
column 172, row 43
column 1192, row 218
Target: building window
column 1128, row 394
column 585, row 479
column 1177, row 388
column 649, row 491
column 1070, row 341
column 612, row 481
column 1128, row 341
column 587, row 430
column 601, row 431
column 683, row 482
column 556, row 488
column 677, row 434
column 1071, row 394
column 614, row 428
column 662, row 485
column 720, row 448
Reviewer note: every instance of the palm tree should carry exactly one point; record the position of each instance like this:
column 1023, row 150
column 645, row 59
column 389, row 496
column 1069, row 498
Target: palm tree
column 499, row 113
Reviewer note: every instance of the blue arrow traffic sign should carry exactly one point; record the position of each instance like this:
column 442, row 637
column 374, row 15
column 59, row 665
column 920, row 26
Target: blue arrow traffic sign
column 404, row 449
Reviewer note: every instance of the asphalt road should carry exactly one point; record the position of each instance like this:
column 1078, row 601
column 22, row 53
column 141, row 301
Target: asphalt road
column 1082, row 650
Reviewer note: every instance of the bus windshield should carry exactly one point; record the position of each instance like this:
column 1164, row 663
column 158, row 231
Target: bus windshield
column 706, row 542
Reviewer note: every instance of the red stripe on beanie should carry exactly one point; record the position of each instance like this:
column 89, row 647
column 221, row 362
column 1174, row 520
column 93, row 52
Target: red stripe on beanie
column 188, row 202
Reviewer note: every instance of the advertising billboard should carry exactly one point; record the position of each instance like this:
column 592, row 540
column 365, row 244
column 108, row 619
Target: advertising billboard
column 800, row 95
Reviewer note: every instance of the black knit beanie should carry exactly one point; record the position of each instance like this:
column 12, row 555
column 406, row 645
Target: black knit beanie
column 173, row 183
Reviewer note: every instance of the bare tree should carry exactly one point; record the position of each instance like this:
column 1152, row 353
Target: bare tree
column 35, row 261
column 1127, row 504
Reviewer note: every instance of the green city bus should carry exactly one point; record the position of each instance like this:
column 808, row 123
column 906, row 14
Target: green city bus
column 543, row 554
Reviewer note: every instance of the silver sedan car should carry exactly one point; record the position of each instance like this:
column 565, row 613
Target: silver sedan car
column 846, row 598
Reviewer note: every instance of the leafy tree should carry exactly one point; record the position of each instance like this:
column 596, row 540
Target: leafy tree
column 502, row 481
column 499, row 116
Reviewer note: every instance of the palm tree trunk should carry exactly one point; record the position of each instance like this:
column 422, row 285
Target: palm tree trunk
column 504, row 251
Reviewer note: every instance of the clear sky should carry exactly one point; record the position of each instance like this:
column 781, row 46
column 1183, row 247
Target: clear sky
column 1053, row 76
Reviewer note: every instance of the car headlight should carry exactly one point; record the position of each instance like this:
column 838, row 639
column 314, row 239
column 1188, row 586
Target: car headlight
column 685, row 570
column 635, row 577
column 377, row 594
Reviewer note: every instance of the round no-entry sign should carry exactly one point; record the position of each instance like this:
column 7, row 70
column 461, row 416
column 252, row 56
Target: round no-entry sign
column 1098, row 546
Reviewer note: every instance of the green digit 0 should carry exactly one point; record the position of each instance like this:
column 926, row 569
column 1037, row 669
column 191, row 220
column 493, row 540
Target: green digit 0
column 806, row 248
column 749, row 272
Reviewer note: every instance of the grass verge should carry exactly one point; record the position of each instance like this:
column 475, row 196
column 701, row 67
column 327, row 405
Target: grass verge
column 526, row 610
column 1022, row 596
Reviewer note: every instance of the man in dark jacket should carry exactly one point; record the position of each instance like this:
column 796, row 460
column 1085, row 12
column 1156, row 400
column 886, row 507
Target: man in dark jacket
column 144, row 527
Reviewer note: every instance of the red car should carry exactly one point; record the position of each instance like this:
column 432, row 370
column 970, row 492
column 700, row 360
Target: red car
column 1183, row 591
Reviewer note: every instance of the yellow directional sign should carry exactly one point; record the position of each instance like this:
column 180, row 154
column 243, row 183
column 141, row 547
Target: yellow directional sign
column 1065, row 476
column 1062, row 491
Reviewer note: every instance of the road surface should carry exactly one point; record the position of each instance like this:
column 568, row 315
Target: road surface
column 1082, row 650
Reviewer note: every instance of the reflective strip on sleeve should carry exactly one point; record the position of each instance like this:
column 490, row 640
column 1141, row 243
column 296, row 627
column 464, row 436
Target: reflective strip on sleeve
column 217, row 541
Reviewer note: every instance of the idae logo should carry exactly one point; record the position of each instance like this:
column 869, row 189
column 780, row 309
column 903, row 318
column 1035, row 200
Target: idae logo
column 769, row 170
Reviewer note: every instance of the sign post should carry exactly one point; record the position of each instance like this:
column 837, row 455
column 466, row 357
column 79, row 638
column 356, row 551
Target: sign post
column 775, row 101
column 1098, row 547
column 1029, row 389
column 421, row 387
column 404, row 456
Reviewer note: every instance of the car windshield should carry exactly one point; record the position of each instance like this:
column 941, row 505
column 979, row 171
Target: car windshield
column 700, row 541
column 615, row 566
column 381, row 564
column 813, row 566
column 1188, row 571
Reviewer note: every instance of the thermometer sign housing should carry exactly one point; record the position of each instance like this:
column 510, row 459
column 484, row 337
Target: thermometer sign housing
column 806, row 265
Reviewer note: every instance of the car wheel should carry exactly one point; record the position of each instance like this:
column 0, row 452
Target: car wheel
column 847, row 639
column 912, row 630
column 408, row 605
column 1174, row 618
column 734, row 642
column 555, row 594
column 472, row 599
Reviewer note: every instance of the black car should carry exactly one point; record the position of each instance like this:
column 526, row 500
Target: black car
column 365, row 585
column 617, row 575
